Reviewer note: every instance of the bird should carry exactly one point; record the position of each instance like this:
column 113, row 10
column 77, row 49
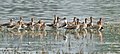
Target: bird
column 21, row 18
column 98, row 26
column 18, row 26
column 90, row 24
column 23, row 24
column 73, row 22
column 56, row 23
column 73, row 25
column 77, row 21
column 68, row 26
column 8, row 24
column 84, row 24
column 63, row 22
column 40, row 25
column 30, row 25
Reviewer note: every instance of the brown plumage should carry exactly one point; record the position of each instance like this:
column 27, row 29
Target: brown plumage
column 99, row 25
column 99, row 22
column 73, row 26
column 31, row 23
column 84, row 24
column 40, row 25
column 73, row 22
column 90, row 24
column 77, row 22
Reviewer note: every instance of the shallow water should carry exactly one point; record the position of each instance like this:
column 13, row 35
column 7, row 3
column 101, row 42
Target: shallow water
column 64, row 42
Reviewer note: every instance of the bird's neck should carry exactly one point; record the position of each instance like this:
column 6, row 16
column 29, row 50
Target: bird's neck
column 85, row 21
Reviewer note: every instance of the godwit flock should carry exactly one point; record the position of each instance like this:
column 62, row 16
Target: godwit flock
column 57, row 23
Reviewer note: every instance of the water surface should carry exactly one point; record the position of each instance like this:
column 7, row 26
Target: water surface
column 52, row 41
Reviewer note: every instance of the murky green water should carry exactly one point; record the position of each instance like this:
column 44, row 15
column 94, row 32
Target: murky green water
column 63, row 42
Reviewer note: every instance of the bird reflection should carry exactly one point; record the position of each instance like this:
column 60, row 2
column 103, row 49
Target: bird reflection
column 84, row 38
column 100, row 35
column 80, row 34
